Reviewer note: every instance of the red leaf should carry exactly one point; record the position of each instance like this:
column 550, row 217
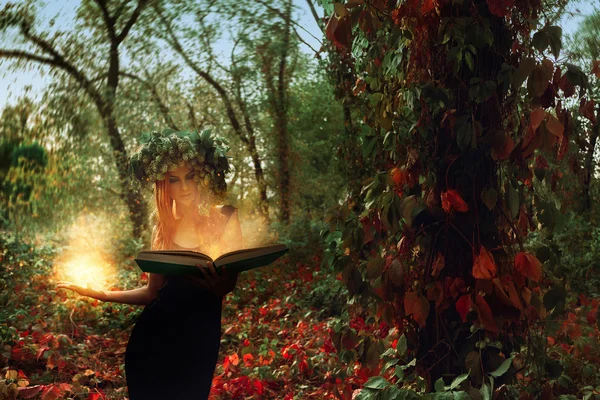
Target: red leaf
column 554, row 126
column 427, row 6
column 248, row 358
column 536, row 118
column 529, row 266
column 463, row 304
column 94, row 396
column 30, row 392
column 41, row 352
column 417, row 306
column 51, row 392
column 596, row 68
column 504, row 149
column 587, row 110
column 485, row 315
column 339, row 31
column 566, row 86
column 500, row 8
column 451, row 199
column 438, row 264
column 484, row 266
column 258, row 387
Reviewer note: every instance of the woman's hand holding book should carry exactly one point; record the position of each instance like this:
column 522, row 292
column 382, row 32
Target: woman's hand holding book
column 219, row 284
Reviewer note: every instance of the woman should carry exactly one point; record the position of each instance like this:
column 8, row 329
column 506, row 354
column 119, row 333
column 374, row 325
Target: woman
column 173, row 348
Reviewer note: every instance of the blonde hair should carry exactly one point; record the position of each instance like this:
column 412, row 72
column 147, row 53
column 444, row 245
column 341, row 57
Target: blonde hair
column 165, row 221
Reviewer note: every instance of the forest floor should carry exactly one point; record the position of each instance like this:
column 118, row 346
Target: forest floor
column 59, row 345
column 277, row 330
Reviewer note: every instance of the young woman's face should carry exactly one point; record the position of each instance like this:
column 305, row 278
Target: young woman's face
column 181, row 185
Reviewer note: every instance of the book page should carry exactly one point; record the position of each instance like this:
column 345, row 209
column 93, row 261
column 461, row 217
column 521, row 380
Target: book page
column 237, row 255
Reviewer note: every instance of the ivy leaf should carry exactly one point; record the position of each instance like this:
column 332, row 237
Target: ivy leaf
column 399, row 372
column 556, row 298
column 528, row 265
column 484, row 266
column 486, row 317
column 576, row 76
column 440, row 385
column 485, row 392
column 452, row 200
column 554, row 126
column 503, row 368
column 555, row 39
column 489, row 197
column 524, row 70
column 367, row 394
column 417, row 306
column 513, row 201
column 468, row 57
column 340, row 10
column 377, row 383
column 535, row 118
column 537, row 82
column 540, row 40
column 463, row 305
column 402, row 345
column 473, row 365
column 458, row 380
column 374, row 267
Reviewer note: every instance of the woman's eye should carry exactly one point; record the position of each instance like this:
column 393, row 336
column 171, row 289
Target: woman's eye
column 173, row 180
column 189, row 177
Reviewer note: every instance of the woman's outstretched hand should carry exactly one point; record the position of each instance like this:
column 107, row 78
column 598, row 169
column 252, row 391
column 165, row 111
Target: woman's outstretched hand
column 88, row 291
column 220, row 285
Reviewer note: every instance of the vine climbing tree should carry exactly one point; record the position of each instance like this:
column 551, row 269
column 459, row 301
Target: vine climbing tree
column 461, row 103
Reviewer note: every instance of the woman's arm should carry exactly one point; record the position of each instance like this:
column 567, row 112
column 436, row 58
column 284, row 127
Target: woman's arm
column 143, row 295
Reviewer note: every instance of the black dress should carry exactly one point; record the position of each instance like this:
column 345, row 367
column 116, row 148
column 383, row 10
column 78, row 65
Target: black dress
column 173, row 348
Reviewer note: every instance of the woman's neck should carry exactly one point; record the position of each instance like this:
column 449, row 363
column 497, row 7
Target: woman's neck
column 189, row 212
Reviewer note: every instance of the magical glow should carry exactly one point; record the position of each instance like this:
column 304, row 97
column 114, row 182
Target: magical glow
column 86, row 261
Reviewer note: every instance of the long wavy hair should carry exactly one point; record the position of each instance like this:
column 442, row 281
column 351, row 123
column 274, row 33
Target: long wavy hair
column 165, row 217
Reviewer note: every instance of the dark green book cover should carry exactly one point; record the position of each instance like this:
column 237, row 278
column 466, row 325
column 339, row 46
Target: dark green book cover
column 182, row 263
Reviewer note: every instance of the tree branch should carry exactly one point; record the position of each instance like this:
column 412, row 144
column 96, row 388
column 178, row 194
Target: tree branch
column 285, row 18
column 57, row 61
column 134, row 16
column 108, row 20
column 162, row 107
column 315, row 15
column 174, row 42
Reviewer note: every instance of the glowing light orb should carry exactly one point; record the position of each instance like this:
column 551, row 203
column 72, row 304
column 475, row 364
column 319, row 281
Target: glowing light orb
column 86, row 260
column 89, row 269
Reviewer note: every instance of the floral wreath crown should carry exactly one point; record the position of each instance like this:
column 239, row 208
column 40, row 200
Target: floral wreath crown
column 165, row 151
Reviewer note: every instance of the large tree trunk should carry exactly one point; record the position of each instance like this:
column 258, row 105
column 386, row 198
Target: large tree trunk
column 138, row 212
column 588, row 167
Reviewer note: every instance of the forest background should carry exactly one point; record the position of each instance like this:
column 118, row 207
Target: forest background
column 431, row 164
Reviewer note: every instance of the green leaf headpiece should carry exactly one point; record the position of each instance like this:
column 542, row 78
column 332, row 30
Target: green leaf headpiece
column 164, row 151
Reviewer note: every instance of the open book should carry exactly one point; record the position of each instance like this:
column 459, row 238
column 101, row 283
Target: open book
column 182, row 262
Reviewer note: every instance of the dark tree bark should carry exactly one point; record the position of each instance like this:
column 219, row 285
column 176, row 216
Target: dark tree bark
column 589, row 166
column 279, row 110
